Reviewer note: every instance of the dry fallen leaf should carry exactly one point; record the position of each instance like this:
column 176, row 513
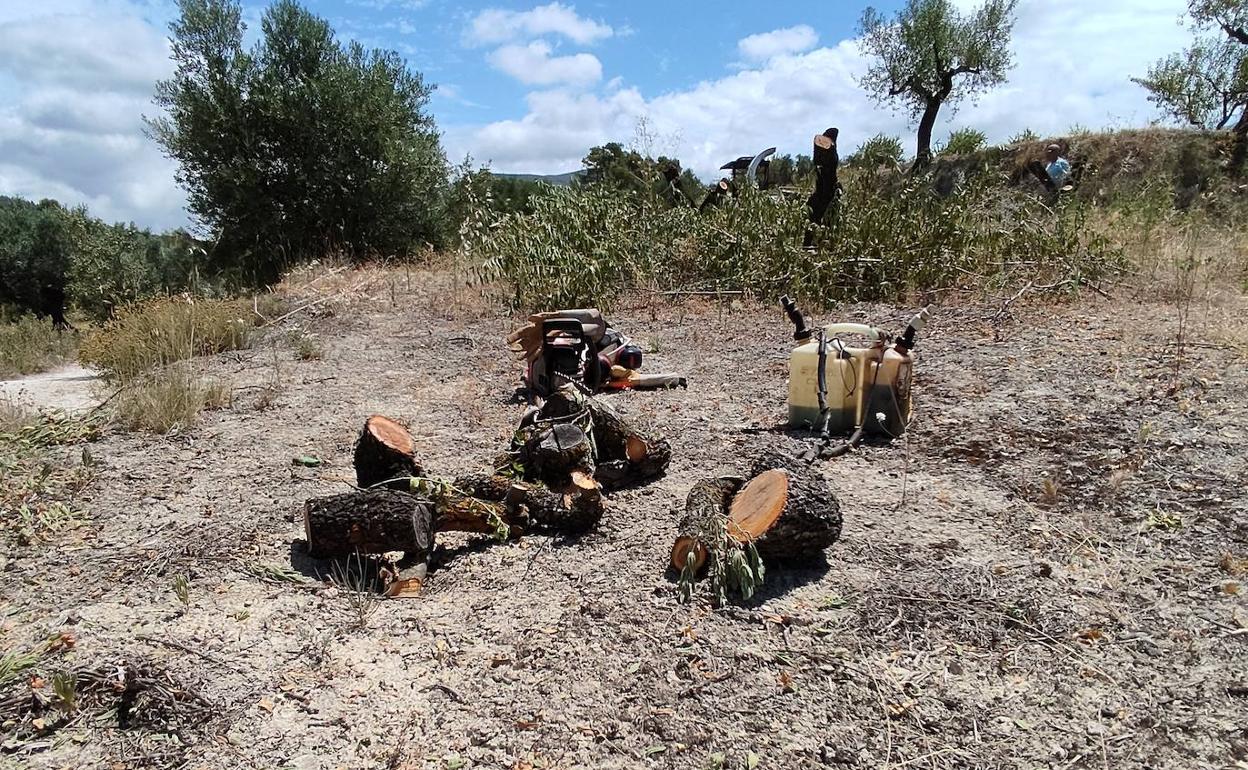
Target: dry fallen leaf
column 266, row 704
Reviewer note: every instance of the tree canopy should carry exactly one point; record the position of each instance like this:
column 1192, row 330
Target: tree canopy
column 1206, row 84
column 300, row 145
column 930, row 55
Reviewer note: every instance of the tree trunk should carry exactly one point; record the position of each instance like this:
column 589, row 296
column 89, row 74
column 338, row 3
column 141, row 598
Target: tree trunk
column 787, row 510
column 1239, row 151
column 572, row 509
column 707, row 502
column 385, row 452
column 552, row 455
column 369, row 521
column 625, row 455
column 923, row 151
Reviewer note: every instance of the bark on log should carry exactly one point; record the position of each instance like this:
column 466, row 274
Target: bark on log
column 625, row 454
column 707, row 501
column 553, row 454
column 572, row 509
column 368, row 521
column 383, row 452
column 811, row 520
column 788, row 510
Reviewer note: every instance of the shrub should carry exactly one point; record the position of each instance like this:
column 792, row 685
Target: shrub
column 879, row 150
column 31, row 345
column 162, row 331
column 964, row 141
column 889, row 236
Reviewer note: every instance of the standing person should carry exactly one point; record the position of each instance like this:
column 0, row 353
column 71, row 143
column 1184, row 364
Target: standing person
column 1054, row 172
column 827, row 186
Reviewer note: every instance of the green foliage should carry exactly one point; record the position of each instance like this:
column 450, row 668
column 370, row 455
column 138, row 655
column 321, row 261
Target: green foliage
column 34, row 255
column 917, row 55
column 300, row 145
column 114, row 265
column 1024, row 136
column 964, row 141
column 1204, row 86
column 612, row 167
column 879, row 150
column 892, row 236
column 28, row 345
column 52, row 258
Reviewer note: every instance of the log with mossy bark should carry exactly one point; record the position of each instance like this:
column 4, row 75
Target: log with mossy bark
column 789, row 512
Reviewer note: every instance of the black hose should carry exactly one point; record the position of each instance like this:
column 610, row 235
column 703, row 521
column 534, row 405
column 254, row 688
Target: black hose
column 823, row 388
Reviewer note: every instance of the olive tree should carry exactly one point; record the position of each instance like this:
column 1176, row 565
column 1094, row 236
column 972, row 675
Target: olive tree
column 930, row 55
column 299, row 145
column 1206, row 84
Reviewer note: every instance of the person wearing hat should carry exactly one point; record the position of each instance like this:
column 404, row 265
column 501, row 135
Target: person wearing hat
column 1054, row 172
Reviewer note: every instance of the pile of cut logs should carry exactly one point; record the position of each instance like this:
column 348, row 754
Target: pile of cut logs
column 557, row 488
column 554, row 482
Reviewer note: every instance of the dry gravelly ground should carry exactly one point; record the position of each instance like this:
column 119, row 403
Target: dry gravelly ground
column 1054, row 590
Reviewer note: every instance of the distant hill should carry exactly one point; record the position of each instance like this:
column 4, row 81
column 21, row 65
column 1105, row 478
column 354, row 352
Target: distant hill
column 557, row 180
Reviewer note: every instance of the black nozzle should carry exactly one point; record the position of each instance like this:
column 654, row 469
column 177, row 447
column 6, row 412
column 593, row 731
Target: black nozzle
column 800, row 331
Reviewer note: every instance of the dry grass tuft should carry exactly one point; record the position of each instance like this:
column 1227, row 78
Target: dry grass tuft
column 163, row 331
column 29, row 345
column 169, row 399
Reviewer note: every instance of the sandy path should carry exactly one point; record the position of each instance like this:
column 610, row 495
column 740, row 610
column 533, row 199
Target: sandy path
column 70, row 388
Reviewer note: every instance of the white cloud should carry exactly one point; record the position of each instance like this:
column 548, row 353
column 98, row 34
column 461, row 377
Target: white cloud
column 1068, row 71
column 495, row 25
column 533, row 64
column 77, row 80
column 767, row 45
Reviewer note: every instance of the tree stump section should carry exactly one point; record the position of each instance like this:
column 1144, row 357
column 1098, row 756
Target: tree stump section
column 625, row 454
column 369, row 521
column 385, row 452
column 572, row 509
column 788, row 511
column 707, row 502
column 553, row 454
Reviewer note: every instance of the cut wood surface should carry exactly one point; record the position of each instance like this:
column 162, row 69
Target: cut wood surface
column 707, row 501
column 368, row 521
column 787, row 510
column 756, row 507
column 384, row 452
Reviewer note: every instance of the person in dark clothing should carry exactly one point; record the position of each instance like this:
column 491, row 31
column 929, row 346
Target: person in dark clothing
column 827, row 186
column 671, row 190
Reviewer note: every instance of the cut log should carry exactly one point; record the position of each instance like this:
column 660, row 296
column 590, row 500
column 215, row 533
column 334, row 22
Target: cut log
column 811, row 520
column 625, row 454
column 706, row 505
column 553, row 454
column 369, row 521
column 383, row 453
column 788, row 511
column 572, row 509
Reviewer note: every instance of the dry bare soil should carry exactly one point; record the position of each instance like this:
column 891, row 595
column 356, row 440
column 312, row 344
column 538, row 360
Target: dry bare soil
column 1045, row 574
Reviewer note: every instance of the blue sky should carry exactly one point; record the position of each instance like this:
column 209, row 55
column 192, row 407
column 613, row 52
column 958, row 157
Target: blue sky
column 530, row 86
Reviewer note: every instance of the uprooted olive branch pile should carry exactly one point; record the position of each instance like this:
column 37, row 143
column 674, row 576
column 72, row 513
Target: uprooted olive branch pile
column 888, row 236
